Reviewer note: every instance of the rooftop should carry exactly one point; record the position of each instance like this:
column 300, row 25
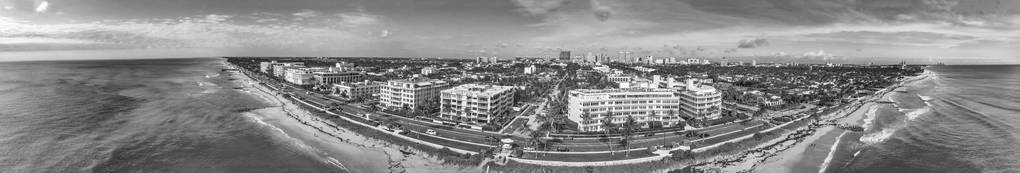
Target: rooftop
column 477, row 89
column 419, row 81
column 701, row 88
column 620, row 90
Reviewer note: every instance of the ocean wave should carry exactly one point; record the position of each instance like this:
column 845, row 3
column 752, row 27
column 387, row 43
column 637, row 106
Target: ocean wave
column 877, row 137
column 297, row 142
column 926, row 99
column 914, row 113
column 869, row 117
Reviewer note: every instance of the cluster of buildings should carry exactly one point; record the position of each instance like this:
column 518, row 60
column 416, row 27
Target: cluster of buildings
column 471, row 105
column 656, row 101
column 299, row 74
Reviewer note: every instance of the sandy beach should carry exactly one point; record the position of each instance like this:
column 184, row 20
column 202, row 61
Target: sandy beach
column 347, row 150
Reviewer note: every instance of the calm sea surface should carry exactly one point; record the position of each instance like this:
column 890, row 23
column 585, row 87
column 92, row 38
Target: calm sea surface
column 177, row 115
column 966, row 119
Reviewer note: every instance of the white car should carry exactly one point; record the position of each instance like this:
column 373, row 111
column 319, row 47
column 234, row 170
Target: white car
column 430, row 132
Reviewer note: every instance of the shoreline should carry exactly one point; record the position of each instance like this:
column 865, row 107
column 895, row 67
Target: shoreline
column 341, row 145
column 798, row 149
column 807, row 159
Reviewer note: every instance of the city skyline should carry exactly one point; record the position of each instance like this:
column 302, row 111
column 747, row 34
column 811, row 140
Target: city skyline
column 954, row 32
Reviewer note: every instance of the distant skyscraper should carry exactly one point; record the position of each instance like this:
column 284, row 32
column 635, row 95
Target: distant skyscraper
column 565, row 55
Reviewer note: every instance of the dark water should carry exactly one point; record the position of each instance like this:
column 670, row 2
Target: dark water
column 135, row 116
column 970, row 123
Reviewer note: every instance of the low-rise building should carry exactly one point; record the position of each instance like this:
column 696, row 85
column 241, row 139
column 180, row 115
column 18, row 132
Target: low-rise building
column 428, row 70
column 589, row 108
column 411, row 93
column 530, row 69
column 619, row 78
column 476, row 104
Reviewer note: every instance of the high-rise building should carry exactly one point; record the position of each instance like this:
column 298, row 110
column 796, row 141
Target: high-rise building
column 332, row 77
column 413, row 93
column 700, row 101
column 476, row 105
column 269, row 67
column 565, row 55
column 302, row 76
column 355, row 90
column 590, row 108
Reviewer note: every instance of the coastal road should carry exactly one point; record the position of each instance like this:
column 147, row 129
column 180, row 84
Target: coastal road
column 590, row 144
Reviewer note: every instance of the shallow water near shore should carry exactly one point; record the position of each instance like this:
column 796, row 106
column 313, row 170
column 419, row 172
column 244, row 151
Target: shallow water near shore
column 179, row 115
column 963, row 119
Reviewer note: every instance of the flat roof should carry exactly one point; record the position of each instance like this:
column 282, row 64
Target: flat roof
column 418, row 81
column 621, row 90
column 477, row 89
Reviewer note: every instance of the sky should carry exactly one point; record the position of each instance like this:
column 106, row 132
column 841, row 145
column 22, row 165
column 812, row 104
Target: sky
column 842, row 31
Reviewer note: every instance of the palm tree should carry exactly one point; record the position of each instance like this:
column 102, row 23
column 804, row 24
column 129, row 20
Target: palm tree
column 628, row 130
column 608, row 127
column 585, row 118
column 373, row 106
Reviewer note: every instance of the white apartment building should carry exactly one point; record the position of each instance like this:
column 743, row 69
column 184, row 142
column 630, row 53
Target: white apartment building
column 411, row 93
column 428, row 70
column 700, row 101
column 302, row 76
column 280, row 69
column 333, row 76
column 530, row 69
column 353, row 90
column 276, row 68
column 589, row 108
column 476, row 104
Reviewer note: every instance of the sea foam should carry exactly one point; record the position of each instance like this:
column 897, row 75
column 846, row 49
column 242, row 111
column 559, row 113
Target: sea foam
column 874, row 138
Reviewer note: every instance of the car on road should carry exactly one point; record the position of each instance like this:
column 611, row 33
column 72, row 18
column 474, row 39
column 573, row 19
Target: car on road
column 430, row 132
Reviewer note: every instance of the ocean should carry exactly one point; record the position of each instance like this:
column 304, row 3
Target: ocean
column 963, row 119
column 171, row 115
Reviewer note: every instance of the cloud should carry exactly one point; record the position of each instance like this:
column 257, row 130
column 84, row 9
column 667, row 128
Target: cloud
column 907, row 38
column 752, row 43
column 358, row 19
column 601, row 12
column 306, row 13
column 539, row 7
column 817, row 54
column 216, row 18
column 206, row 31
column 42, row 7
